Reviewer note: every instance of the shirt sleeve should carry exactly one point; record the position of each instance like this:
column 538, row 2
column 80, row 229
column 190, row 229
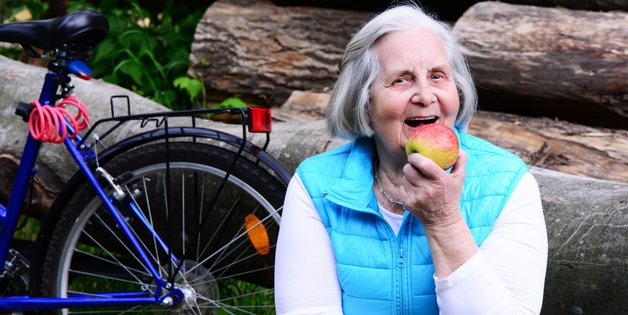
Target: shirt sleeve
column 507, row 275
column 305, row 266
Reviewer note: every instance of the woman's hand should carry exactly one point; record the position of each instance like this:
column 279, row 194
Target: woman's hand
column 432, row 194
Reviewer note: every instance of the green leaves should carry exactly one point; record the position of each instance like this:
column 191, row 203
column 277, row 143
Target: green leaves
column 147, row 52
column 9, row 9
column 231, row 102
column 131, row 68
column 191, row 86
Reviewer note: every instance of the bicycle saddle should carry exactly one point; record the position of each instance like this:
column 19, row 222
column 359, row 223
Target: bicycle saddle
column 78, row 31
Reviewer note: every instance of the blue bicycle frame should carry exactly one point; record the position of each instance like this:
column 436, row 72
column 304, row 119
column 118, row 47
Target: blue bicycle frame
column 9, row 218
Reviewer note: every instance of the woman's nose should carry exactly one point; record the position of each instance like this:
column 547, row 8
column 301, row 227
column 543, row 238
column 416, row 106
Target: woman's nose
column 423, row 95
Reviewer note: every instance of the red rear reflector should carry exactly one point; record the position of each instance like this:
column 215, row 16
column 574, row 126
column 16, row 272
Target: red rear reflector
column 260, row 119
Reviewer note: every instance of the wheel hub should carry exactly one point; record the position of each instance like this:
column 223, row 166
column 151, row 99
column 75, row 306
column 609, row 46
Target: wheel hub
column 199, row 288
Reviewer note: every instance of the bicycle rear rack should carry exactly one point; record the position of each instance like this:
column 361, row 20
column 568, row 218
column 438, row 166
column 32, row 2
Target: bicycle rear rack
column 253, row 119
column 159, row 127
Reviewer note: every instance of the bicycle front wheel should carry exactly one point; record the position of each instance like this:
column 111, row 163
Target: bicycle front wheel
column 215, row 244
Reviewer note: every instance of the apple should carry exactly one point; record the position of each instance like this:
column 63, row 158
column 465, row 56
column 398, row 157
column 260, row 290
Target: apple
column 436, row 142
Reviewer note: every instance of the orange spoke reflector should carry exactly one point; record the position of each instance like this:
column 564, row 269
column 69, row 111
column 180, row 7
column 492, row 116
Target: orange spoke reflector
column 260, row 119
column 257, row 234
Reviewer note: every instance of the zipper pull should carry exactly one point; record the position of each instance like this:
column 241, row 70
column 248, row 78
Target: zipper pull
column 400, row 262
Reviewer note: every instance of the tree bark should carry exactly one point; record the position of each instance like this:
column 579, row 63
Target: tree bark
column 452, row 10
column 587, row 227
column 253, row 48
column 549, row 61
column 527, row 60
column 558, row 145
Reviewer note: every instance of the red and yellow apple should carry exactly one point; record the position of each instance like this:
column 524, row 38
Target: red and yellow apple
column 436, row 142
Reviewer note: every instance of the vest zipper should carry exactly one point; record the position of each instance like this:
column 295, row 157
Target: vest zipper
column 401, row 272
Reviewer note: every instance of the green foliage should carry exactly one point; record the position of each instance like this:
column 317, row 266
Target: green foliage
column 242, row 293
column 231, row 102
column 191, row 86
column 8, row 9
column 147, row 51
column 27, row 228
column 11, row 52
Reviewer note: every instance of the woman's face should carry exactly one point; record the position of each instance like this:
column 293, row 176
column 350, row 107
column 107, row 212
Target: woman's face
column 415, row 86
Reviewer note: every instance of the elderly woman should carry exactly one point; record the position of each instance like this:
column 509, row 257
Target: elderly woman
column 367, row 229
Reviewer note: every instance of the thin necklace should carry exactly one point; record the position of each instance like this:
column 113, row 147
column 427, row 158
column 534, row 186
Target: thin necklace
column 391, row 200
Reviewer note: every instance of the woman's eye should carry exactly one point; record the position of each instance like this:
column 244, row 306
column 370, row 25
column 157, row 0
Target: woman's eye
column 400, row 81
column 439, row 75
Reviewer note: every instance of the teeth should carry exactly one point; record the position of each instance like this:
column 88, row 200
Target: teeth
column 423, row 119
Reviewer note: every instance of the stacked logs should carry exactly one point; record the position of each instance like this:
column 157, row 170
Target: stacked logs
column 544, row 62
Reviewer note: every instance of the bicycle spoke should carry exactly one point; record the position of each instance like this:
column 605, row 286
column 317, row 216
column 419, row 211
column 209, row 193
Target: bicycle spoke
column 113, row 263
column 144, row 246
column 224, row 220
column 200, row 216
column 227, row 307
column 241, row 241
column 121, row 242
column 150, row 218
column 250, row 294
column 219, row 258
column 183, row 215
column 168, row 218
column 236, row 238
column 101, row 276
column 252, row 271
column 114, row 258
column 134, row 309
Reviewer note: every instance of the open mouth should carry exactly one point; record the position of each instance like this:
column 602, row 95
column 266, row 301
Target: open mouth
column 415, row 122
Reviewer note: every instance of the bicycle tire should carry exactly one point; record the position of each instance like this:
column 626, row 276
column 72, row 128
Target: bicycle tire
column 235, row 277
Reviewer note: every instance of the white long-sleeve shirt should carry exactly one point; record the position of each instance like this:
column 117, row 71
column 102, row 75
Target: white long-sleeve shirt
column 506, row 276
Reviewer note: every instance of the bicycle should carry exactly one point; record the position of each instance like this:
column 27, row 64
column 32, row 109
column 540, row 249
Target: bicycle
column 177, row 218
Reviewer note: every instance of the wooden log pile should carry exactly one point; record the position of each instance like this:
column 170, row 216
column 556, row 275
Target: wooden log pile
column 537, row 61
column 258, row 50
column 452, row 10
column 552, row 62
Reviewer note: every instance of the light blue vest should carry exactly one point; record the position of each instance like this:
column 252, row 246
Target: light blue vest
column 379, row 272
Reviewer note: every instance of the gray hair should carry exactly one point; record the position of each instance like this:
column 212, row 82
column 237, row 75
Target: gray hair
column 349, row 110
